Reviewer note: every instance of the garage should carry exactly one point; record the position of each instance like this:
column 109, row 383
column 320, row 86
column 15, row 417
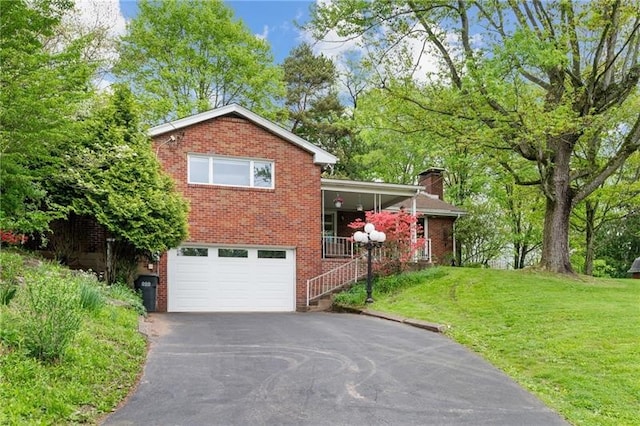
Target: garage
column 231, row 279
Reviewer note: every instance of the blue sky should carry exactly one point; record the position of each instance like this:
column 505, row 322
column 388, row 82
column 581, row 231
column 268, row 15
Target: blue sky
column 271, row 18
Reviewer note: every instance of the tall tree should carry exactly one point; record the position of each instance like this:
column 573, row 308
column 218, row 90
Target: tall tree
column 183, row 57
column 315, row 111
column 115, row 178
column 545, row 78
column 42, row 92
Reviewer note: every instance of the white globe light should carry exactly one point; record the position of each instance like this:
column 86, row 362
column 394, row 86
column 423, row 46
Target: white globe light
column 369, row 227
column 365, row 238
column 374, row 235
column 382, row 237
column 357, row 237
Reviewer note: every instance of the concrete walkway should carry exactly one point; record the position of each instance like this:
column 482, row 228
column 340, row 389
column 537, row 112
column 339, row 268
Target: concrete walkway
column 318, row 369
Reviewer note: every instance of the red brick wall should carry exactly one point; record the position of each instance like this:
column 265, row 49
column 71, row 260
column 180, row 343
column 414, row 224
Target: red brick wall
column 288, row 215
column 432, row 181
column 329, row 264
column 441, row 234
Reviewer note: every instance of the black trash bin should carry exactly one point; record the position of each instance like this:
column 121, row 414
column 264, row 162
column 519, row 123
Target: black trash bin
column 147, row 284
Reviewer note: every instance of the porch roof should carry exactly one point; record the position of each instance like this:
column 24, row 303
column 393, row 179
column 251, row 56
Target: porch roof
column 430, row 205
column 368, row 194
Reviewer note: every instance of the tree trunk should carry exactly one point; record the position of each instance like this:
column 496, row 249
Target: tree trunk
column 516, row 255
column 555, row 240
column 523, row 256
column 590, row 220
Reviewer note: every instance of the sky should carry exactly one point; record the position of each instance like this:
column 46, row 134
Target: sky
column 270, row 19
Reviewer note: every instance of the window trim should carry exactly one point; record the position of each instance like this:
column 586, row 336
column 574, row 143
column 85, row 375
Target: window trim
column 252, row 165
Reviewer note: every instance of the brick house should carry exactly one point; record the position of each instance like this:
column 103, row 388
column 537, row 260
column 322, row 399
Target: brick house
column 264, row 224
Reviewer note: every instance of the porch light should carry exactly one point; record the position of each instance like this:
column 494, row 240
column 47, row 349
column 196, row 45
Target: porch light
column 369, row 239
column 337, row 202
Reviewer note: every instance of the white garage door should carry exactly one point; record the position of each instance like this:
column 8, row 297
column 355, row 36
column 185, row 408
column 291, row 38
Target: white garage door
column 223, row 279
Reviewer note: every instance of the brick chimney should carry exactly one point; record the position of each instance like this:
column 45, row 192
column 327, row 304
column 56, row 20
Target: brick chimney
column 431, row 179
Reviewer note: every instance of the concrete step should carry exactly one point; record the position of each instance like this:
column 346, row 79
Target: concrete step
column 321, row 305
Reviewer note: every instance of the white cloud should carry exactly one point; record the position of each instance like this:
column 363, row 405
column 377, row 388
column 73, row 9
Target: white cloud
column 101, row 17
column 92, row 14
column 104, row 19
column 264, row 34
column 407, row 56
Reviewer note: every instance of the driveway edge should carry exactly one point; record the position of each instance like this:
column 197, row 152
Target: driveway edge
column 425, row 325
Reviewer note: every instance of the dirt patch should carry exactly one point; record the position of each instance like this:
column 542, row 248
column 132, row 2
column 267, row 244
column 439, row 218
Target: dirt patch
column 154, row 326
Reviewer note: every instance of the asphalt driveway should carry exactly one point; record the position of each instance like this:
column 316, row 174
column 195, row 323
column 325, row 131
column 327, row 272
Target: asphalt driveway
column 318, row 369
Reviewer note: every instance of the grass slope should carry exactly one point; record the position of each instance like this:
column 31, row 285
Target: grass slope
column 575, row 342
column 96, row 372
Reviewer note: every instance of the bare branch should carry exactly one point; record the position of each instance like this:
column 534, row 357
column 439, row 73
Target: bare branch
column 573, row 41
column 455, row 77
column 517, row 179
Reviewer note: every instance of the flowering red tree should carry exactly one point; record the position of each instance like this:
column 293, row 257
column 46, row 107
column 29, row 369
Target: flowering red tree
column 399, row 247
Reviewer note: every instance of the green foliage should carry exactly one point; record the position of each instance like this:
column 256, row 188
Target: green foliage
column 314, row 110
column 482, row 233
column 117, row 179
column 181, row 58
column 11, row 270
column 44, row 90
column 126, row 296
column 386, row 286
column 619, row 243
column 571, row 341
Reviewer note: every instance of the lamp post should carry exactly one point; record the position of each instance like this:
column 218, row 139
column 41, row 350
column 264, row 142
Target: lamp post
column 369, row 239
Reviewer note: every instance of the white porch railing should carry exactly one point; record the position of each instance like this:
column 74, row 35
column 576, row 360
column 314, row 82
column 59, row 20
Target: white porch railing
column 424, row 253
column 344, row 247
column 341, row 247
column 338, row 277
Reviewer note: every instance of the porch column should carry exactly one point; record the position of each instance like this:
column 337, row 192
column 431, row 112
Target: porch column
column 414, row 229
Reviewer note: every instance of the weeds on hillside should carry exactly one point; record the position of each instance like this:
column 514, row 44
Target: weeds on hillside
column 70, row 349
column 43, row 305
column 10, row 271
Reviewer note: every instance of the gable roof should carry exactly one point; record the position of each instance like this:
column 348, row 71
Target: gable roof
column 320, row 156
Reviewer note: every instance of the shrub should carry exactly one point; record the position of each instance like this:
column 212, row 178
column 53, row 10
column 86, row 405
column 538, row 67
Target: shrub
column 47, row 316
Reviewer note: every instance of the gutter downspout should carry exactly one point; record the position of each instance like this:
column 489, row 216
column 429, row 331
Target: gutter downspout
column 455, row 252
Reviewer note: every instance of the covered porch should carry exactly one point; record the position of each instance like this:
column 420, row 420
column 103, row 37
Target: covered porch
column 345, row 201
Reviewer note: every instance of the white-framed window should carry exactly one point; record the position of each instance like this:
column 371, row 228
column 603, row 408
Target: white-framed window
column 230, row 171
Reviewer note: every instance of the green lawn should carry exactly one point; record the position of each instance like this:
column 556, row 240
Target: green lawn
column 574, row 342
